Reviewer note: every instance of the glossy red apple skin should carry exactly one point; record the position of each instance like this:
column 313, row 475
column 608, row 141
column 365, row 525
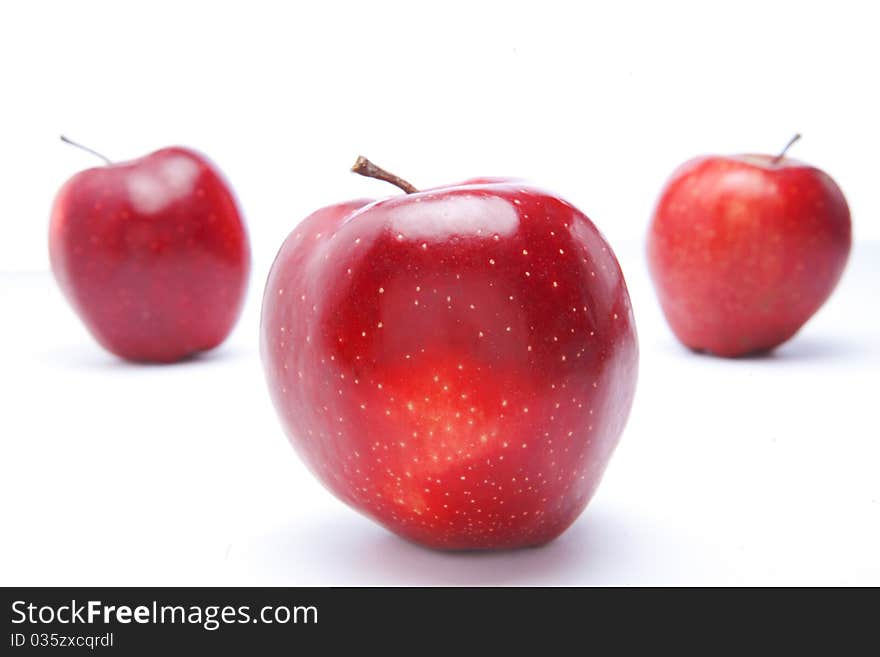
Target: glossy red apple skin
column 457, row 364
column 743, row 250
column 153, row 254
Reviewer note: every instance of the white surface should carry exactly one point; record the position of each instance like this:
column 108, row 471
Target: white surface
column 596, row 100
column 759, row 471
column 755, row 471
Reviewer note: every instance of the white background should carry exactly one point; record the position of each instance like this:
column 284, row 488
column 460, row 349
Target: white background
column 760, row 471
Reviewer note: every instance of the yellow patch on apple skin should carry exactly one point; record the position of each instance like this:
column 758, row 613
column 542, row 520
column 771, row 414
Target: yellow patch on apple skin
column 441, row 419
column 736, row 211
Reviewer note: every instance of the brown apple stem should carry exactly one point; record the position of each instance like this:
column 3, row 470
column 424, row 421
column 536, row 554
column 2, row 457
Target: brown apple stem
column 790, row 143
column 366, row 168
column 85, row 148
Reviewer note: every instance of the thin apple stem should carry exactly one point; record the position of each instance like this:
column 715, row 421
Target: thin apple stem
column 790, row 143
column 366, row 168
column 86, row 149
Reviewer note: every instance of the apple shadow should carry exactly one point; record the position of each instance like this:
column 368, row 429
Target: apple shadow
column 94, row 358
column 798, row 349
column 595, row 549
column 808, row 348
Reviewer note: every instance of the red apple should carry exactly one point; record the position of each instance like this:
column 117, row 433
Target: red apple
column 152, row 254
column 457, row 364
column 744, row 249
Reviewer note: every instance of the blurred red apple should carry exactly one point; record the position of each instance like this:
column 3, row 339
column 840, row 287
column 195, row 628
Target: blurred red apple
column 152, row 254
column 744, row 249
column 458, row 363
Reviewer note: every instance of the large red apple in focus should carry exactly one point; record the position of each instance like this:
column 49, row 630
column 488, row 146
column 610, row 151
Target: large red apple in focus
column 152, row 254
column 457, row 363
column 744, row 249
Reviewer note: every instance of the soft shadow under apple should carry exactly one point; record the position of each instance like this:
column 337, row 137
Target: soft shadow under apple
column 799, row 349
column 809, row 348
column 593, row 551
column 92, row 357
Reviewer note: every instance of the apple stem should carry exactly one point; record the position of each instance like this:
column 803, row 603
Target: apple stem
column 366, row 168
column 86, row 149
column 790, row 143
